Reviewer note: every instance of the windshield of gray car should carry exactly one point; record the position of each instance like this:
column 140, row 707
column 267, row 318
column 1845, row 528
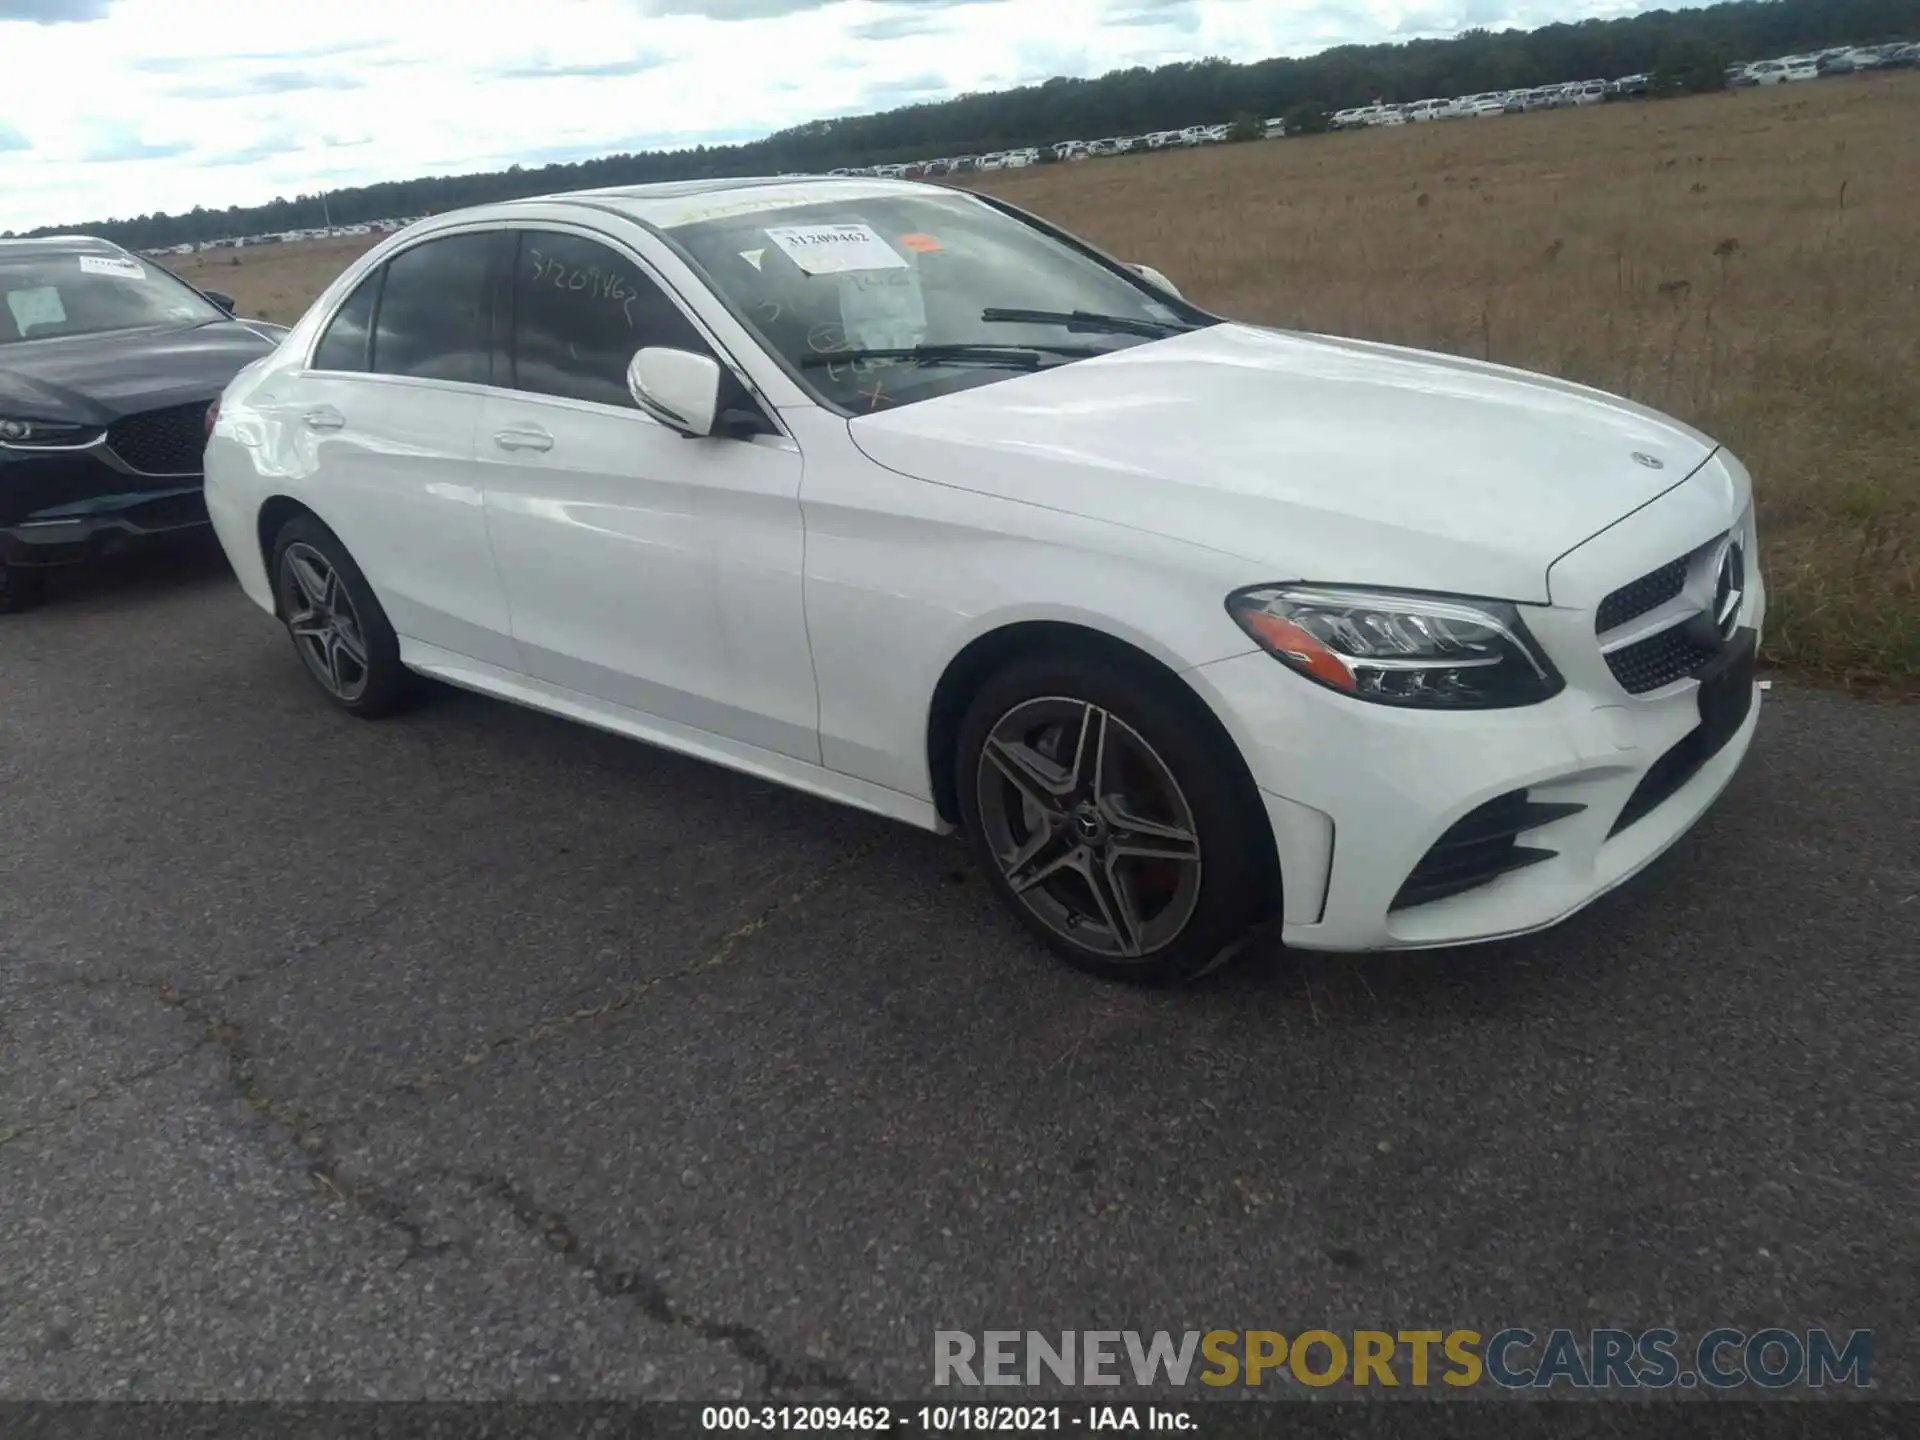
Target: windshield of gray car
column 888, row 297
column 48, row 296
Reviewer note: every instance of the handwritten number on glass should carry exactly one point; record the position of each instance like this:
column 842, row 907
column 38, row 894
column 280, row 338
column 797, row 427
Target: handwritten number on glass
column 589, row 280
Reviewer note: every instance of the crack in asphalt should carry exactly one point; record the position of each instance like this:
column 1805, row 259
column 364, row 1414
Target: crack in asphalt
column 616, row 1281
column 783, row 1376
column 323, row 1166
column 626, row 998
column 320, row 940
column 104, row 1091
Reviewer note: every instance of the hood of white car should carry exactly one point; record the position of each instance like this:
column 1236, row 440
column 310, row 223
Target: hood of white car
column 1312, row 458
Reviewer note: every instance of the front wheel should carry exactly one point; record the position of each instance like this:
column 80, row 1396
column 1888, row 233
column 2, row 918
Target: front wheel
column 1118, row 828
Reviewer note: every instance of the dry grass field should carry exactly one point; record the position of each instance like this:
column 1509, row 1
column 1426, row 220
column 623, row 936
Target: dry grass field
column 1748, row 261
column 273, row 282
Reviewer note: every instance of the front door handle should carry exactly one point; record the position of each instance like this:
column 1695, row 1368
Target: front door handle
column 324, row 417
column 525, row 437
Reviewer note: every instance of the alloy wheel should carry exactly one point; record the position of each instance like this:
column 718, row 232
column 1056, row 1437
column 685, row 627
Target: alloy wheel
column 325, row 627
column 1089, row 827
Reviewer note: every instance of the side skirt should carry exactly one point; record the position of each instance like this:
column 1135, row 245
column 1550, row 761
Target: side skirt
column 485, row 679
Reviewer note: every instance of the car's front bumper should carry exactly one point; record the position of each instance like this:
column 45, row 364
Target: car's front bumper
column 68, row 506
column 1358, row 794
column 1366, row 799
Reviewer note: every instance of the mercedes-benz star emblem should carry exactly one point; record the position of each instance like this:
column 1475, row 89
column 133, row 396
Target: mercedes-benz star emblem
column 1652, row 462
column 1729, row 584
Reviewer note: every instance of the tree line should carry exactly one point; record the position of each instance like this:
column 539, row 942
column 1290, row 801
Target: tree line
column 1684, row 49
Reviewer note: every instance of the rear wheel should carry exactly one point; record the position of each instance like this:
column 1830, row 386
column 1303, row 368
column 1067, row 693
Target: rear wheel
column 1110, row 821
column 338, row 628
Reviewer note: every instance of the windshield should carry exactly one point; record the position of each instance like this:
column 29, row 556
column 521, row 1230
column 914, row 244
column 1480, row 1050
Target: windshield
column 950, row 292
column 44, row 297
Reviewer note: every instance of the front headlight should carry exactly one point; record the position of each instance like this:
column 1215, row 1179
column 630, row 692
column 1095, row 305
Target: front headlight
column 1431, row 652
column 39, row 432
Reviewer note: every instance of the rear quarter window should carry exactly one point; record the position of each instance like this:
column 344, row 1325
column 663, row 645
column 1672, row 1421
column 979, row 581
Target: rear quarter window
column 345, row 346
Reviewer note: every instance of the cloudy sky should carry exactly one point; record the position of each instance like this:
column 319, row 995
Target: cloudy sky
column 111, row 108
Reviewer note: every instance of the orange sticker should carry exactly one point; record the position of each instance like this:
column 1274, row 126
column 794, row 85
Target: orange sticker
column 921, row 244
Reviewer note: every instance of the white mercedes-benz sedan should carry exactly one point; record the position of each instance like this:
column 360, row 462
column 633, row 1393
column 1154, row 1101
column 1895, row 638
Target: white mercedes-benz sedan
column 903, row 497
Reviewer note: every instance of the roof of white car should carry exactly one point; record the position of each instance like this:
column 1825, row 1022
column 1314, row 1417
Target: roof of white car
column 683, row 202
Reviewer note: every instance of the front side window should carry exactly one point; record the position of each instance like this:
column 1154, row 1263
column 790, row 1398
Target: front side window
column 886, row 298
column 580, row 311
column 47, row 297
column 432, row 320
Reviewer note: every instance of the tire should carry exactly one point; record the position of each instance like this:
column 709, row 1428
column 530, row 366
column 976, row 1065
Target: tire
column 21, row 589
column 1187, row 871
column 338, row 629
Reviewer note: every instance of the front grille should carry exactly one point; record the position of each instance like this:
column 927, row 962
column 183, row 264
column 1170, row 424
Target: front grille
column 1637, row 597
column 162, row 442
column 1658, row 660
column 1480, row 847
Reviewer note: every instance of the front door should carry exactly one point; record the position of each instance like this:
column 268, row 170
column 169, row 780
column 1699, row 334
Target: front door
column 643, row 569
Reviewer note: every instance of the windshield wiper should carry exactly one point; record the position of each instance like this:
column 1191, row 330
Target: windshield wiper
column 1086, row 321
column 1023, row 357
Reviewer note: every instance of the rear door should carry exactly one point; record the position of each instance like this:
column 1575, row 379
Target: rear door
column 386, row 415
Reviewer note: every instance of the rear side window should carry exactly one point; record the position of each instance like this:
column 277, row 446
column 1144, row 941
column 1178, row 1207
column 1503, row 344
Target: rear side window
column 432, row 320
column 580, row 311
column 344, row 346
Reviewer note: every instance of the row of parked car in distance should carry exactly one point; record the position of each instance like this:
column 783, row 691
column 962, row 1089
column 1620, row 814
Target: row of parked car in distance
column 1842, row 60
column 1019, row 159
column 1490, row 102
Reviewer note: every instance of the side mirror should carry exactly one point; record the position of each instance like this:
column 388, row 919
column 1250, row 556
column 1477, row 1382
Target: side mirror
column 677, row 388
column 225, row 302
column 1154, row 277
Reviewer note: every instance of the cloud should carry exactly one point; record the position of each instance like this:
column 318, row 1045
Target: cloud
column 637, row 64
column 887, row 94
column 1180, row 15
column 772, row 9
column 54, row 12
column 897, row 26
column 730, row 9
column 265, row 82
column 189, row 64
column 1144, row 12
column 116, row 140
column 265, row 148
column 12, row 139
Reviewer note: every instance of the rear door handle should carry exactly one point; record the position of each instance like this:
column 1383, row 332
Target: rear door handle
column 324, row 417
column 527, row 437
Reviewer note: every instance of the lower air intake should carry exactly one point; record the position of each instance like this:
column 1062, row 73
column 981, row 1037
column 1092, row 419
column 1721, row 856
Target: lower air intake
column 1481, row 846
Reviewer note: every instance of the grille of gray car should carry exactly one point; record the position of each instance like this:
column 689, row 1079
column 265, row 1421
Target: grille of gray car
column 169, row 441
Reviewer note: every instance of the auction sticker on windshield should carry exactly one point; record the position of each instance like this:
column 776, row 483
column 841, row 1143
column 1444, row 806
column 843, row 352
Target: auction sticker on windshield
column 836, row 249
column 112, row 265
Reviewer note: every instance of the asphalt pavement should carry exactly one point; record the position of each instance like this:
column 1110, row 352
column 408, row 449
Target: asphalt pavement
column 476, row 1054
